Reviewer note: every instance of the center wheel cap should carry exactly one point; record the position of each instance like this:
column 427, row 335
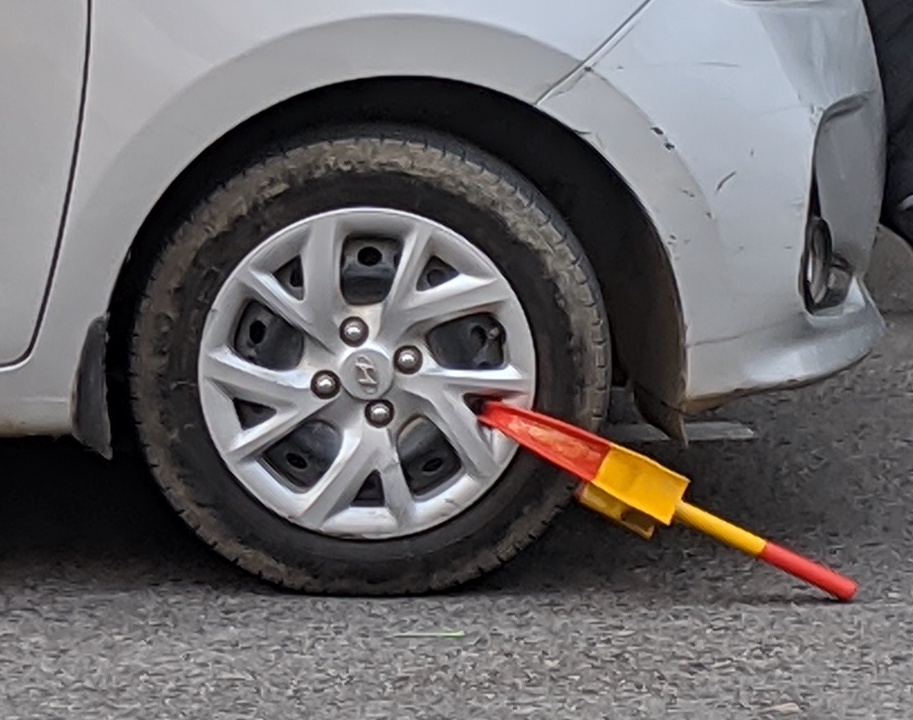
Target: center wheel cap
column 367, row 374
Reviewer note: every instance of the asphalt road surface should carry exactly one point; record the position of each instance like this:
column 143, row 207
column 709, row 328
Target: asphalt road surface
column 110, row 609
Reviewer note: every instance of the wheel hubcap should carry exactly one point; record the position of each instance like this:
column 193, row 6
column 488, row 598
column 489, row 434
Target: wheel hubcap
column 338, row 365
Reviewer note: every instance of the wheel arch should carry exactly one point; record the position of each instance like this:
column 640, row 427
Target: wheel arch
column 635, row 274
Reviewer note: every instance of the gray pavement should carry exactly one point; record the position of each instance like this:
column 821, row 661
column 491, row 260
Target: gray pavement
column 109, row 609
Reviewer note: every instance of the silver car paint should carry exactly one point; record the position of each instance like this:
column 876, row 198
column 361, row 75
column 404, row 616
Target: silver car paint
column 720, row 131
column 168, row 79
column 42, row 50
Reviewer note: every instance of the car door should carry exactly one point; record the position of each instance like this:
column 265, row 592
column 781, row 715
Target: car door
column 43, row 47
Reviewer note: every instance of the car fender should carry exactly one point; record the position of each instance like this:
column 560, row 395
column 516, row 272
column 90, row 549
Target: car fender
column 725, row 175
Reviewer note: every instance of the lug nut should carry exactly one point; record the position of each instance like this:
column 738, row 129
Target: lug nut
column 379, row 414
column 325, row 384
column 354, row 332
column 408, row 359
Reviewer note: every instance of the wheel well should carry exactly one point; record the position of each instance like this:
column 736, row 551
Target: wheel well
column 636, row 279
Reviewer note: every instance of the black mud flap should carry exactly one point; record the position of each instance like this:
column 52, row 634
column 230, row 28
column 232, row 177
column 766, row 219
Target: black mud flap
column 91, row 424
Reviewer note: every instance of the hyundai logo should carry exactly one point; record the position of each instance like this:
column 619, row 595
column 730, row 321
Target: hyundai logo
column 366, row 374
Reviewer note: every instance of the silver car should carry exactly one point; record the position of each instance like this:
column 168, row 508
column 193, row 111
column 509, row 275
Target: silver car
column 288, row 248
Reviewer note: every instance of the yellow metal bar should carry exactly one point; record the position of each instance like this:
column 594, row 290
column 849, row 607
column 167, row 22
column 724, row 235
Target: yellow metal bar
column 719, row 529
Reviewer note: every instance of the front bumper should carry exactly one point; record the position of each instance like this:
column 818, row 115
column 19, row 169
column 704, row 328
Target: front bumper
column 721, row 116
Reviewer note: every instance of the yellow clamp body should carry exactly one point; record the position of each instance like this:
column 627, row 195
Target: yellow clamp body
column 634, row 491
column 639, row 494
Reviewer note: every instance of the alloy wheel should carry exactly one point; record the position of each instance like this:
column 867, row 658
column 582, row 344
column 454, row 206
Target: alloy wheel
column 341, row 363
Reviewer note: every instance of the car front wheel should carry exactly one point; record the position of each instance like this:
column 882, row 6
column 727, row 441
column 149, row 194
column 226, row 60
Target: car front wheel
column 314, row 341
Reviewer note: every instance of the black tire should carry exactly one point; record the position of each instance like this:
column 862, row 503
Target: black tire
column 408, row 169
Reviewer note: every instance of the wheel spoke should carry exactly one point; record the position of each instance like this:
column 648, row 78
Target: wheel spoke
column 397, row 495
column 308, row 317
column 359, row 456
column 265, row 288
column 255, row 440
column 321, row 259
column 464, row 432
column 497, row 382
column 287, row 392
column 463, row 295
column 243, row 380
column 413, row 259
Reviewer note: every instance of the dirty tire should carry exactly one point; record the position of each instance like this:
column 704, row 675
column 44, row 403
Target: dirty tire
column 412, row 170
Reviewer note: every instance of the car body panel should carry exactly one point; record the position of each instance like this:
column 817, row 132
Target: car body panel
column 722, row 169
column 42, row 58
column 160, row 91
column 725, row 174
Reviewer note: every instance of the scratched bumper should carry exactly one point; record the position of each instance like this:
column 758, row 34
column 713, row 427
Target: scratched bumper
column 721, row 116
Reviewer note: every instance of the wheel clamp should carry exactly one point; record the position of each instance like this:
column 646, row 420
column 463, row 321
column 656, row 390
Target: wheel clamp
column 639, row 494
